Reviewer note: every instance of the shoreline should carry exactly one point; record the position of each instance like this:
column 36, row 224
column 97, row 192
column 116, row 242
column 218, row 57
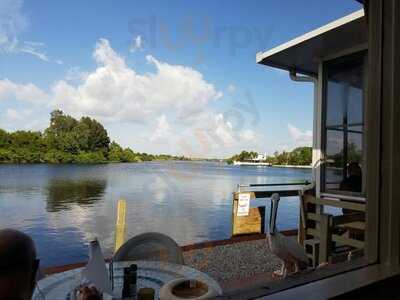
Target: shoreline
column 90, row 163
column 292, row 166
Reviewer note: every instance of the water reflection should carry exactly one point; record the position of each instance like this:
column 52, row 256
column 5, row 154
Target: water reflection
column 63, row 207
column 62, row 194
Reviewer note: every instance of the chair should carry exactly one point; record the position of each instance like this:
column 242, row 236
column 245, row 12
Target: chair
column 332, row 238
column 150, row 246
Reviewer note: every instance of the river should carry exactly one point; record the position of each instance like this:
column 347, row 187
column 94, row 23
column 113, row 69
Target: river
column 64, row 206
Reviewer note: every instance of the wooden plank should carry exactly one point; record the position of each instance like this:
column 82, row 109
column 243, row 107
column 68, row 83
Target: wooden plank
column 268, row 194
column 313, row 232
column 325, row 237
column 338, row 203
column 348, row 218
column 354, row 225
column 301, row 236
column 311, row 242
column 344, row 197
column 346, row 241
column 314, row 217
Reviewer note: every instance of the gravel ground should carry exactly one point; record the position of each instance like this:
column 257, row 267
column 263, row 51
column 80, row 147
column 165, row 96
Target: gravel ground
column 235, row 261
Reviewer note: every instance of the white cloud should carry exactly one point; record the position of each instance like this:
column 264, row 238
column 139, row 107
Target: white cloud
column 247, row 135
column 231, row 88
column 115, row 92
column 75, row 73
column 137, row 44
column 220, row 133
column 33, row 48
column 26, row 119
column 34, row 44
column 12, row 23
column 163, row 129
column 223, row 130
column 22, row 92
column 169, row 107
column 13, row 115
column 35, row 53
column 300, row 138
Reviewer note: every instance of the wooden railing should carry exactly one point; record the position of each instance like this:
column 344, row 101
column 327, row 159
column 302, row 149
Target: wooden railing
column 321, row 232
column 254, row 222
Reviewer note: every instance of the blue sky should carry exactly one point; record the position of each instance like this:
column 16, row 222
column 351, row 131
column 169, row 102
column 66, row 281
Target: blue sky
column 175, row 77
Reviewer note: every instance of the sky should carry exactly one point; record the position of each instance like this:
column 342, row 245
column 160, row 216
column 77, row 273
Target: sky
column 175, row 77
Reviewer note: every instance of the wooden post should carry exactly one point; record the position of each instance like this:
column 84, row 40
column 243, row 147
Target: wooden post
column 254, row 223
column 301, row 236
column 325, row 237
column 120, row 226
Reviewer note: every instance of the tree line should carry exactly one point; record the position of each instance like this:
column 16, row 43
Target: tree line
column 68, row 140
column 300, row 156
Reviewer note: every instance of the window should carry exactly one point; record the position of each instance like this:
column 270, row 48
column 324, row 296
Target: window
column 344, row 124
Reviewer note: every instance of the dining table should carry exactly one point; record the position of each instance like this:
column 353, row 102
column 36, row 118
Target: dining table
column 150, row 274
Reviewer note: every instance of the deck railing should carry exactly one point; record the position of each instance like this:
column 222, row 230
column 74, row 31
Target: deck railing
column 254, row 221
column 318, row 230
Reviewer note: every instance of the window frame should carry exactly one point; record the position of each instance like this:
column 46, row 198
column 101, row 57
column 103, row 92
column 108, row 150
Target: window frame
column 356, row 51
column 354, row 269
column 382, row 127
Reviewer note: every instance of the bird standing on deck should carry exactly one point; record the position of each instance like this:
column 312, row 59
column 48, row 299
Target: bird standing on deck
column 293, row 256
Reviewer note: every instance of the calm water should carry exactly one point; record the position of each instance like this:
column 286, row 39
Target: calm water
column 64, row 206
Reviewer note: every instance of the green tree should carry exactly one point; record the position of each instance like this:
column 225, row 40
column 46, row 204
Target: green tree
column 242, row 156
column 301, row 156
column 59, row 134
column 4, row 139
column 98, row 139
column 67, row 140
column 130, row 156
column 90, row 157
column 6, row 155
column 81, row 134
column 116, row 153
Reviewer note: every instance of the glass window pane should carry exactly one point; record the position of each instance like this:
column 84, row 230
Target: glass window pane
column 344, row 124
column 355, row 106
column 354, row 147
column 334, row 105
column 334, row 159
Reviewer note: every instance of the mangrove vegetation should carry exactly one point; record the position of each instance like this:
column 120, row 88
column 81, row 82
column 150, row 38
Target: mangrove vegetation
column 68, row 140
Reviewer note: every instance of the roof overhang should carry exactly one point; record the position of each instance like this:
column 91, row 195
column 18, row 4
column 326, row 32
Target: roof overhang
column 304, row 53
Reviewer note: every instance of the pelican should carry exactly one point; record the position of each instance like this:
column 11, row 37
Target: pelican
column 292, row 255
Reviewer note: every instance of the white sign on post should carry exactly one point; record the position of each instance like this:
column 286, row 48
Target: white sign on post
column 243, row 205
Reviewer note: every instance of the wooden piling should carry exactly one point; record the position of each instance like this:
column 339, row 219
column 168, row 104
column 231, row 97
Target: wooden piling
column 120, row 226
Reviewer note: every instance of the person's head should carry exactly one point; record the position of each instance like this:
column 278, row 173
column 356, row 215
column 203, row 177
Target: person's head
column 353, row 169
column 18, row 265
